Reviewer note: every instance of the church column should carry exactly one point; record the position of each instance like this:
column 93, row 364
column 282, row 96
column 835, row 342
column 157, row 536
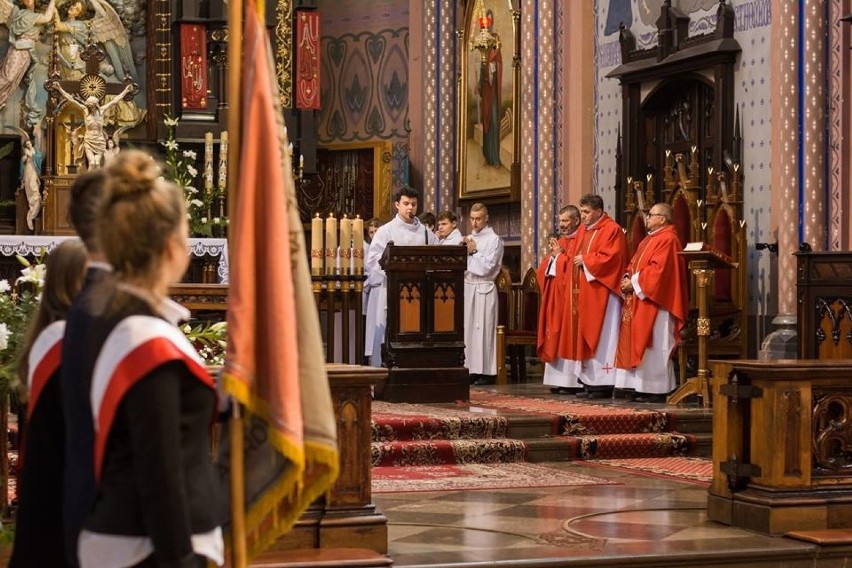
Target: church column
column 545, row 215
column 813, row 180
column 529, row 133
column 785, row 196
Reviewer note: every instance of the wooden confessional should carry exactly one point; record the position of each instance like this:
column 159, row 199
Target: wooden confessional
column 680, row 144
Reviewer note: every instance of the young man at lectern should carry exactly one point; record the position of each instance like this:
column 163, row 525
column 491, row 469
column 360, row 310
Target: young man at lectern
column 403, row 230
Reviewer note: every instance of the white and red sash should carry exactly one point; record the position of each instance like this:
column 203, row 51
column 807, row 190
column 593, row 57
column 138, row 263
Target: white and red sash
column 43, row 361
column 137, row 346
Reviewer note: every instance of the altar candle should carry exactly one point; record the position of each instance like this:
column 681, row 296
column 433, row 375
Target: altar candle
column 330, row 243
column 358, row 245
column 223, row 160
column 345, row 244
column 316, row 246
column 208, row 161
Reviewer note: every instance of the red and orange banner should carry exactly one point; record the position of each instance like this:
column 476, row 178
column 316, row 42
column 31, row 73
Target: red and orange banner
column 274, row 362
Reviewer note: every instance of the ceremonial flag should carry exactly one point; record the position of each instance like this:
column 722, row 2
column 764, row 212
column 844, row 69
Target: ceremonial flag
column 274, row 362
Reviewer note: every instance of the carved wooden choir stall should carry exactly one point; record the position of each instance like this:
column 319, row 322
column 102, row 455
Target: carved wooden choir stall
column 781, row 433
column 424, row 341
column 681, row 145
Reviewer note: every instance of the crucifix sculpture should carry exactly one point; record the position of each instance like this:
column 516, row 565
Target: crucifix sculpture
column 86, row 95
column 71, row 146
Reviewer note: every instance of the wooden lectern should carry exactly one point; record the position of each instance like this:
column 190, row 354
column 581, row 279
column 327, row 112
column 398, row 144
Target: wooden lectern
column 424, row 340
column 703, row 261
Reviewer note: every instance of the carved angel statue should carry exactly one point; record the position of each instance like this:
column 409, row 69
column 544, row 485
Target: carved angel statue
column 30, row 167
column 25, row 25
column 94, row 139
column 106, row 30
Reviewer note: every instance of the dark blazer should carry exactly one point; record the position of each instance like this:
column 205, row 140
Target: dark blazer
column 38, row 526
column 158, row 478
column 78, row 355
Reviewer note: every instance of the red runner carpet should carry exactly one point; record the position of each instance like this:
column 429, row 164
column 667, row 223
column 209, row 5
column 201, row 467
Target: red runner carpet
column 690, row 469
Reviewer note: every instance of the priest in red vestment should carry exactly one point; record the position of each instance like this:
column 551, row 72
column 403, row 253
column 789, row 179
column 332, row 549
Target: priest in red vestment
column 655, row 309
column 555, row 276
column 601, row 258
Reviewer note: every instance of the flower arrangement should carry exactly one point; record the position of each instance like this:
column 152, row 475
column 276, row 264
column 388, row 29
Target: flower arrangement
column 208, row 338
column 204, row 208
column 18, row 303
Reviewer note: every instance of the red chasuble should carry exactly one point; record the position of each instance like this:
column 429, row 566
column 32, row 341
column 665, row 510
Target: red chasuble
column 555, row 290
column 137, row 346
column 662, row 279
column 604, row 250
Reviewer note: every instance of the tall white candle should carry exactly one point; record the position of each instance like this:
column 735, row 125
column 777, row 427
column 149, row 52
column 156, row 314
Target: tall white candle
column 223, row 160
column 208, row 161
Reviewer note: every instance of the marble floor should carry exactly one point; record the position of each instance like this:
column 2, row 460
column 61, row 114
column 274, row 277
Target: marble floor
column 636, row 521
column 640, row 521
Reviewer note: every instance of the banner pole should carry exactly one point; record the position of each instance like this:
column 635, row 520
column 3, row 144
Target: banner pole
column 239, row 557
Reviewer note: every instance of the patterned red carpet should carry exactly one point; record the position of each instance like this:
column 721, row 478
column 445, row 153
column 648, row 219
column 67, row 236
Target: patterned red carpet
column 695, row 470
column 476, row 432
column 578, row 418
column 475, row 476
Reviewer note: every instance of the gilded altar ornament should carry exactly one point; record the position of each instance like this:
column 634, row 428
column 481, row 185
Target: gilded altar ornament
column 703, row 327
column 284, row 51
column 485, row 40
column 703, row 276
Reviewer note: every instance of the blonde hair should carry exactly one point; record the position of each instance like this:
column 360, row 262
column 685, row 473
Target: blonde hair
column 66, row 267
column 140, row 214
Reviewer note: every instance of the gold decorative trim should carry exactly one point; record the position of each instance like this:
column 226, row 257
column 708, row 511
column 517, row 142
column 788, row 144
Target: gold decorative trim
column 703, row 327
column 284, row 51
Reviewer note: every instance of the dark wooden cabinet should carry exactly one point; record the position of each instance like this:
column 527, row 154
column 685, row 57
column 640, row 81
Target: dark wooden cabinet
column 824, row 311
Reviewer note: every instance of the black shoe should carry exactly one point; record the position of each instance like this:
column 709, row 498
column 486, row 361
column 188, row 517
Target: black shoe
column 650, row 398
column 582, row 394
column 624, row 394
column 485, row 380
column 600, row 393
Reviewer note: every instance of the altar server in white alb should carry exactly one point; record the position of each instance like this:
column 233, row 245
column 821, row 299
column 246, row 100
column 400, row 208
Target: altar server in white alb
column 371, row 226
column 403, row 230
column 485, row 256
column 448, row 230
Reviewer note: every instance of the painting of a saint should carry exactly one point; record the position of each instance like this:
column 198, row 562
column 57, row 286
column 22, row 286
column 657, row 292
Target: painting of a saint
column 489, row 105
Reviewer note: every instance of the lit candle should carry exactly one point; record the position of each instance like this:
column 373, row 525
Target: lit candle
column 330, row 243
column 358, row 245
column 316, row 246
column 223, row 160
column 345, row 244
column 301, row 161
column 208, row 161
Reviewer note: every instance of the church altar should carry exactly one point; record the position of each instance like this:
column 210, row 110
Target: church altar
column 24, row 245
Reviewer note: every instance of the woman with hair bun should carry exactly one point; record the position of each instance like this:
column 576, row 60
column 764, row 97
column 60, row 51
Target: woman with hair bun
column 159, row 500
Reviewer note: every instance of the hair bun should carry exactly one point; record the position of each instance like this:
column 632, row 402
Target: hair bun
column 132, row 173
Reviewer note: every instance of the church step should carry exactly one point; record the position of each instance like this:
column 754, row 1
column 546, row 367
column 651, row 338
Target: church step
column 433, row 452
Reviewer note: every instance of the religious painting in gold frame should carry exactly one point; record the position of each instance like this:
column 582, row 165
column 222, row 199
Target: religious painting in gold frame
column 488, row 113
